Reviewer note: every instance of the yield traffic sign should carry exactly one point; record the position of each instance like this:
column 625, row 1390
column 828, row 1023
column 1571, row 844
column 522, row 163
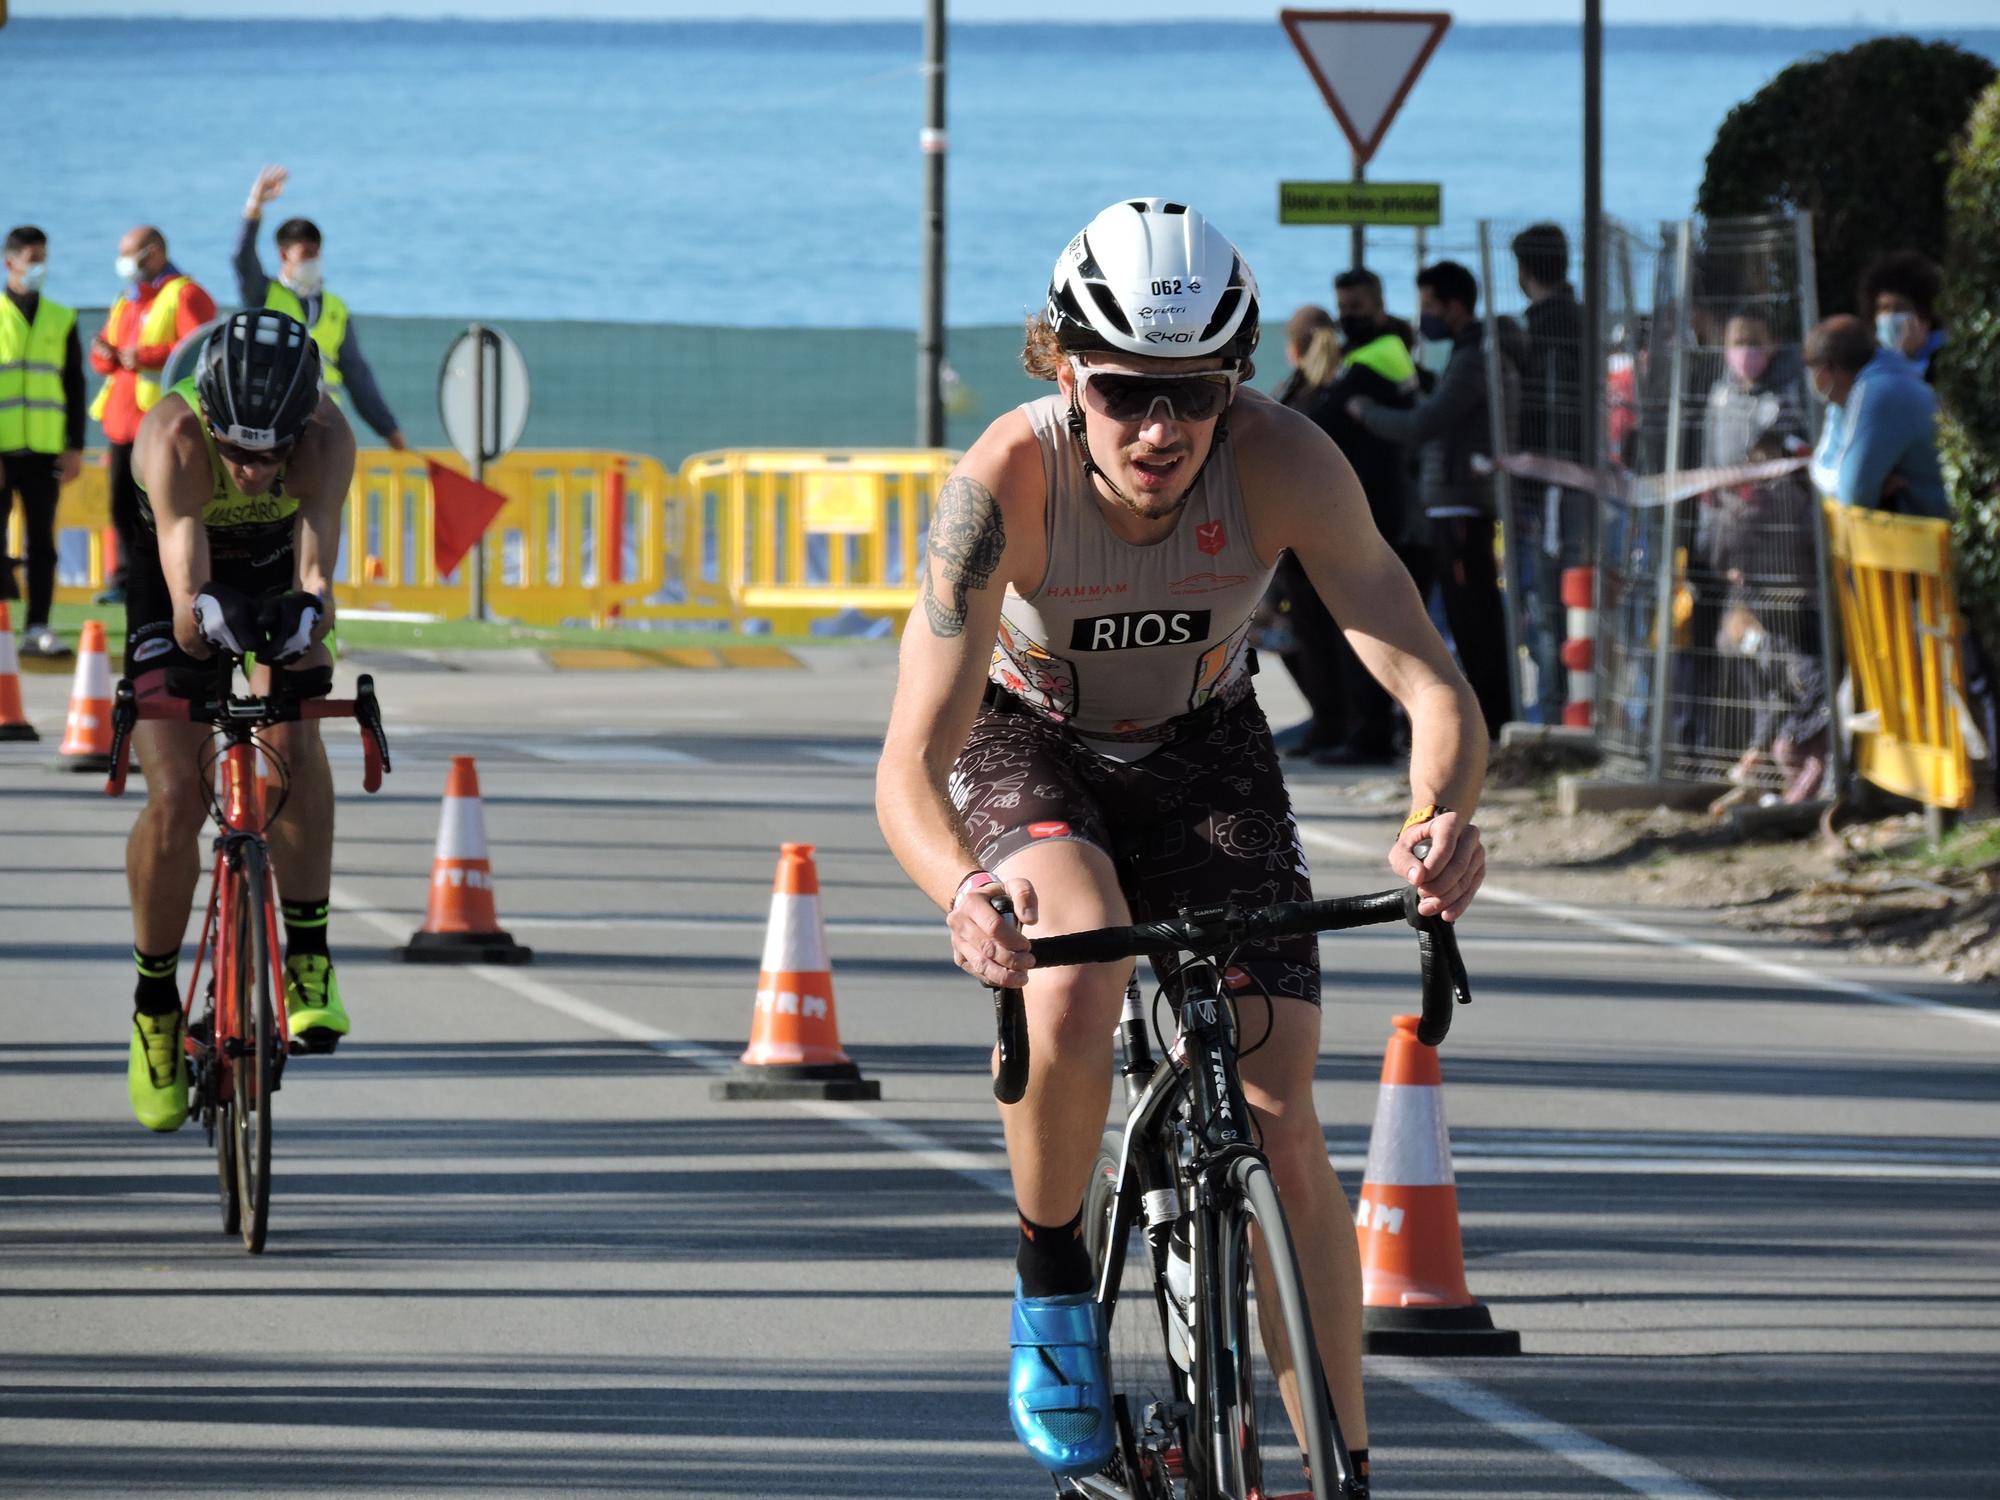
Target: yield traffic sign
column 1365, row 62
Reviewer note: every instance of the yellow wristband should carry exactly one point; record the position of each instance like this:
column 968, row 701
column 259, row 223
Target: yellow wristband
column 1424, row 814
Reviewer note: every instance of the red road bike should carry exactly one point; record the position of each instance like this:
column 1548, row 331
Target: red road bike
column 237, row 1044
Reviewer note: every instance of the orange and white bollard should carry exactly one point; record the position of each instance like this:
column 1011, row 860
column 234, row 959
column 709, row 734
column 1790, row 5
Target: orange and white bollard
column 1579, row 651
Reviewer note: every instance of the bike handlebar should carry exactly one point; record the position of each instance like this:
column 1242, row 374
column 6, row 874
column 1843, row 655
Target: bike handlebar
column 1216, row 930
column 252, row 712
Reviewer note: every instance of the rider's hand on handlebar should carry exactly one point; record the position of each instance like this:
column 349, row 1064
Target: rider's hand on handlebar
column 986, row 945
column 222, row 617
column 1447, row 878
column 293, row 624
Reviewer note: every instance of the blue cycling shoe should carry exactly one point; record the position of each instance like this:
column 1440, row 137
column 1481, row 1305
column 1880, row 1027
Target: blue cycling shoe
column 1059, row 1394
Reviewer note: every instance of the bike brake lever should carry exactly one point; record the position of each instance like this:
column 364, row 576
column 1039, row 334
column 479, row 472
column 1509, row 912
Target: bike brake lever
column 1010, row 1015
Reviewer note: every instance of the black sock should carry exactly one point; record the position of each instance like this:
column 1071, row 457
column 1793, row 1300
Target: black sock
column 1051, row 1259
column 305, row 926
column 156, row 994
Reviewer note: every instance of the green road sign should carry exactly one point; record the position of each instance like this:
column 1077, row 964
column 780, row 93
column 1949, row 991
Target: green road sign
column 1408, row 203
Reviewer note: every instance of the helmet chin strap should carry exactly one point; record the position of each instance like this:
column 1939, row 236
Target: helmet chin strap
column 1090, row 466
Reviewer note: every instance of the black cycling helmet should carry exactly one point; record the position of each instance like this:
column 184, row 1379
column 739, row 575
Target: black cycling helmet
column 258, row 377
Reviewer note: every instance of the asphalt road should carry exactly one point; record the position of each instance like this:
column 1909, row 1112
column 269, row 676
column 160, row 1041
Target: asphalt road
column 1739, row 1201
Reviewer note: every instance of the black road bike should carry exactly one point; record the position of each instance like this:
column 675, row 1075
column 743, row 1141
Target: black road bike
column 1217, row 1388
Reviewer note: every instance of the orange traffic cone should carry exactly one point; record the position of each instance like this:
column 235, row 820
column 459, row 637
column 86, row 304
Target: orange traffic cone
column 794, row 1050
column 1413, row 1293
column 86, row 742
column 461, row 926
column 14, row 723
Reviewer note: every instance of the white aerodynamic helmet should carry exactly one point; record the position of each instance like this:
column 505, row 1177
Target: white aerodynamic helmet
column 1151, row 277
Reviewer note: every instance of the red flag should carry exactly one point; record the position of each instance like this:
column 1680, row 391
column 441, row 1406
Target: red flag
column 461, row 509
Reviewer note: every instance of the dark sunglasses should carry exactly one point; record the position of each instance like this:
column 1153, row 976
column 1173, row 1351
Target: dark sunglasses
column 1126, row 396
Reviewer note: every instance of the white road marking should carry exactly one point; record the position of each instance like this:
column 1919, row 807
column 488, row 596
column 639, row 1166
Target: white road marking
column 1627, row 1470
column 1639, row 932
column 583, row 752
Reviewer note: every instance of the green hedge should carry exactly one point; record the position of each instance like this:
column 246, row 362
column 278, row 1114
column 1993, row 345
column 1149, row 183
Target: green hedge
column 1861, row 139
column 1968, row 380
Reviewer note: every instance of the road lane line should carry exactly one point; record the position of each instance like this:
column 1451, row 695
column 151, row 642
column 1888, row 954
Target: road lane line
column 1639, row 1475
column 1639, row 932
column 1629, row 1470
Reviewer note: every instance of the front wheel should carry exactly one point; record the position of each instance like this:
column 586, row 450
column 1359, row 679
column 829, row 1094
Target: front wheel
column 1263, row 1397
column 257, row 1048
column 1149, row 1390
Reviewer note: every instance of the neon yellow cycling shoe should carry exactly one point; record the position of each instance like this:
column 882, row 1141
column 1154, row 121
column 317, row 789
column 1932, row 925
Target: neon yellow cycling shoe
column 156, row 1070
column 312, row 1002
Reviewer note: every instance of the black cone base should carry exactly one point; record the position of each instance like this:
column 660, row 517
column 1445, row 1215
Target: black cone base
column 18, row 732
column 1436, row 1332
column 101, row 764
column 795, row 1081
column 462, row 948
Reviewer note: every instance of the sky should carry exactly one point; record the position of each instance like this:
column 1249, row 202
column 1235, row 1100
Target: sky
column 1886, row 14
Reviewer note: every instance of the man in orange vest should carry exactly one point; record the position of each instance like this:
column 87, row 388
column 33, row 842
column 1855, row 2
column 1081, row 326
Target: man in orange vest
column 160, row 307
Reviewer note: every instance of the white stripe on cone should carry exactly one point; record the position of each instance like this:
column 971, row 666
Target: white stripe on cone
column 461, row 830
column 93, row 677
column 795, row 937
column 1409, row 1146
column 10, row 663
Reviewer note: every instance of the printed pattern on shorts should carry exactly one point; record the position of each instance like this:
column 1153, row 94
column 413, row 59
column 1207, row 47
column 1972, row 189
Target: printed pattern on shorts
column 1203, row 819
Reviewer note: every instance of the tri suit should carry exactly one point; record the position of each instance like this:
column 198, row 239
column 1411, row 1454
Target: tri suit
column 1119, row 712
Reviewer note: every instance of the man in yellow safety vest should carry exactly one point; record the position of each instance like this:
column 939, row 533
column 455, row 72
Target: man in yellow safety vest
column 41, row 425
column 159, row 307
column 299, row 292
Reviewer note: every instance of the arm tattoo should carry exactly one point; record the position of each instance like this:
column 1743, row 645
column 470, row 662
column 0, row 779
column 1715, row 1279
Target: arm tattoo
column 966, row 540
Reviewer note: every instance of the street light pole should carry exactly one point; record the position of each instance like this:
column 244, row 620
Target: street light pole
column 930, row 328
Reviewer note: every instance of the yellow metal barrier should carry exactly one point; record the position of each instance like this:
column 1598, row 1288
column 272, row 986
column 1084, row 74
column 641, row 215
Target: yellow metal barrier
column 799, row 532
column 779, row 535
column 1899, row 614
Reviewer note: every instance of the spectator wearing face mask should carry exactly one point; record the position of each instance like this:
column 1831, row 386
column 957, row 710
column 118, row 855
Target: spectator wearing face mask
column 1878, row 449
column 159, row 307
column 300, row 292
column 1900, row 290
column 1449, row 428
column 41, row 425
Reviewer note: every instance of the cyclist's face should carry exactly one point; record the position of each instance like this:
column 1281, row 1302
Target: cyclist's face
column 1154, row 459
column 251, row 471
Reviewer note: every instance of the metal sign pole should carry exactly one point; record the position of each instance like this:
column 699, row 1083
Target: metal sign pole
column 480, row 344
column 930, row 334
column 1358, row 251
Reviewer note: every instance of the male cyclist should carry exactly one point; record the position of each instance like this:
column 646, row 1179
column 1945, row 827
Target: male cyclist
column 243, row 469
column 1074, row 725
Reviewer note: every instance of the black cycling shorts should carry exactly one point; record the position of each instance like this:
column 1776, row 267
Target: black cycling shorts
column 1200, row 820
column 259, row 563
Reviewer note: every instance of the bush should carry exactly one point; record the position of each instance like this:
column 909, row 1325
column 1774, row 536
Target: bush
column 1968, row 380
column 1861, row 139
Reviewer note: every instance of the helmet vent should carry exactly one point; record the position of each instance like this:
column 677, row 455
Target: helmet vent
column 1223, row 310
column 1174, row 208
column 1108, row 306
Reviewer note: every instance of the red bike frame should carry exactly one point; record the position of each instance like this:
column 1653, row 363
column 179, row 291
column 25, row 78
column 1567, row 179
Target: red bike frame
column 243, row 816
